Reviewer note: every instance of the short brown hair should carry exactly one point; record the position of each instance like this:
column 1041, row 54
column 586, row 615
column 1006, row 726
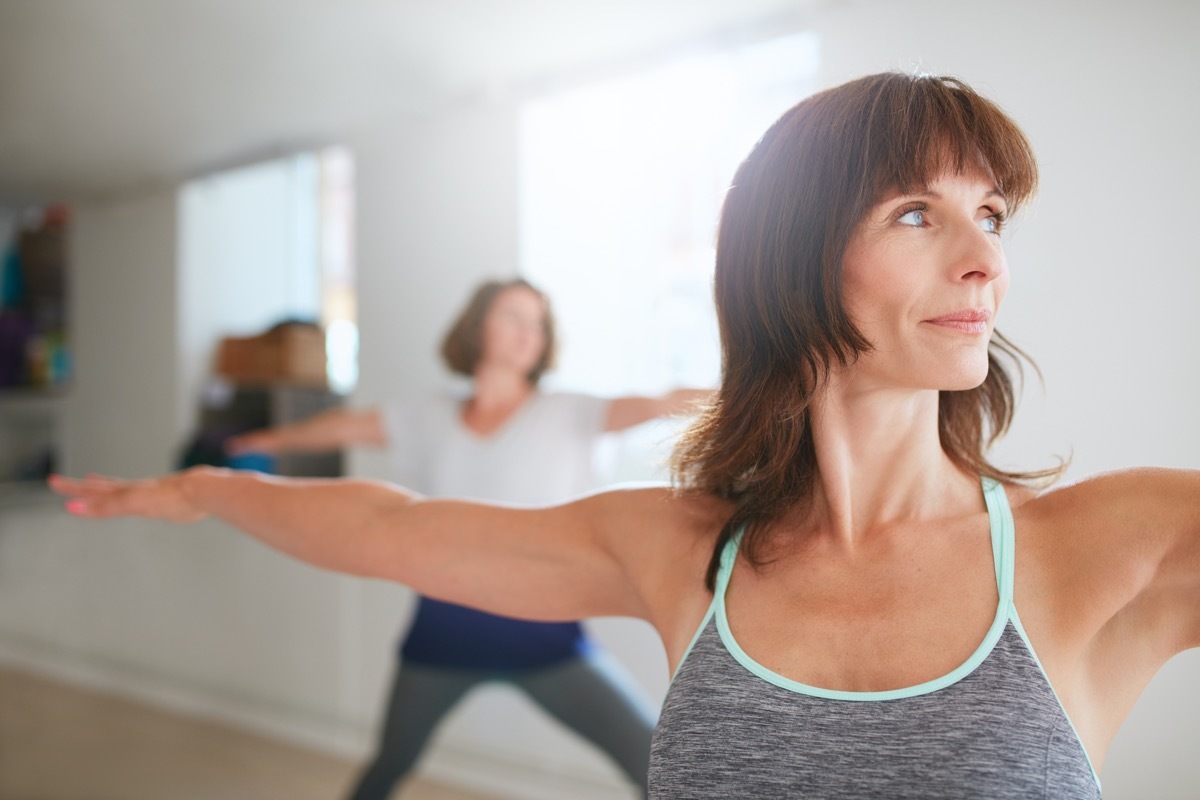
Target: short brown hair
column 463, row 345
column 787, row 219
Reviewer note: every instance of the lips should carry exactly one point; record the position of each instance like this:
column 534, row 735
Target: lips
column 967, row 320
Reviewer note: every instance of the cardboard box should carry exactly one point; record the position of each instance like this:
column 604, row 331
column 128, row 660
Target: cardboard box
column 290, row 353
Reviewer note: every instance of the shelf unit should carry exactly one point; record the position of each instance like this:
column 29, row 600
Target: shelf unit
column 30, row 436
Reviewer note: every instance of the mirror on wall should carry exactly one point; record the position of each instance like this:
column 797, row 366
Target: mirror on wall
column 267, row 310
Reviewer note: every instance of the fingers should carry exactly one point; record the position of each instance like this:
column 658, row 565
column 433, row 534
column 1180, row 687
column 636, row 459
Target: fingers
column 92, row 508
column 93, row 496
column 92, row 484
column 99, row 497
column 63, row 485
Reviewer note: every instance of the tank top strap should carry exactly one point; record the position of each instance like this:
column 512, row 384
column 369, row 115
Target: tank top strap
column 729, row 555
column 1003, row 538
column 724, row 569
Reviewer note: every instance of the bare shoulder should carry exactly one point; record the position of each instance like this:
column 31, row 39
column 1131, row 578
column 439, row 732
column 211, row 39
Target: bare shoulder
column 1111, row 499
column 660, row 511
column 665, row 537
column 660, row 529
column 1108, row 586
column 1103, row 539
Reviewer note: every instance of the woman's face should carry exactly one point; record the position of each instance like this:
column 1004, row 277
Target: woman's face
column 514, row 330
column 923, row 278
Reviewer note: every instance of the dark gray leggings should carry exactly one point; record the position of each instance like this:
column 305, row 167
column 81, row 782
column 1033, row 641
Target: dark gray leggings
column 593, row 695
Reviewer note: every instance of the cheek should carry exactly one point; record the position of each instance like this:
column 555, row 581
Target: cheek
column 489, row 334
column 494, row 335
column 1001, row 284
column 879, row 280
column 879, row 304
column 857, row 289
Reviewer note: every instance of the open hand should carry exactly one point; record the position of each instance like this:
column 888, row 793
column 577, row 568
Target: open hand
column 99, row 497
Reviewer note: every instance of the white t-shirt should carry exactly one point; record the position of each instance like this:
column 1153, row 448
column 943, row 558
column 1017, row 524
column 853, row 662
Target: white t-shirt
column 545, row 453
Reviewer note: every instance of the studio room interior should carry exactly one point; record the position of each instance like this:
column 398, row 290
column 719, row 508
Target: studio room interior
column 224, row 216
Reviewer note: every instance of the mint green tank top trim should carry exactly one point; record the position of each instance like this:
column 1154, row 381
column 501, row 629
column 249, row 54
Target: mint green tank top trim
column 993, row 727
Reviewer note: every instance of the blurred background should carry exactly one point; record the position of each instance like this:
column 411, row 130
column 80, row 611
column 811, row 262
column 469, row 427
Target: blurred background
column 173, row 174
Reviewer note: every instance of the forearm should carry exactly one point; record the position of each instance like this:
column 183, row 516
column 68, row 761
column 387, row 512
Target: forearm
column 329, row 430
column 360, row 527
column 685, row 401
column 550, row 563
column 625, row 412
column 495, row 558
column 333, row 524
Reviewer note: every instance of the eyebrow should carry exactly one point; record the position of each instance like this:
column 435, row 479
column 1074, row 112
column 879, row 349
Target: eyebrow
column 926, row 192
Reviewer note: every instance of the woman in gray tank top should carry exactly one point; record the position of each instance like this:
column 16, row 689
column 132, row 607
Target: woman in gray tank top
column 856, row 602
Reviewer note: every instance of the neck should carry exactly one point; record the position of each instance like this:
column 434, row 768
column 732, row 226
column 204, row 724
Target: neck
column 880, row 461
column 497, row 387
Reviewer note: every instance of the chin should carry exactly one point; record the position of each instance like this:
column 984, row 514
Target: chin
column 961, row 374
column 966, row 379
column 963, row 386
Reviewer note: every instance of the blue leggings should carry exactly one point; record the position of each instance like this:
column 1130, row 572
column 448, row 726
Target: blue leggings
column 593, row 695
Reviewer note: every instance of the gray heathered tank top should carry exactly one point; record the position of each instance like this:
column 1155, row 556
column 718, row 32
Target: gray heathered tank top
column 993, row 728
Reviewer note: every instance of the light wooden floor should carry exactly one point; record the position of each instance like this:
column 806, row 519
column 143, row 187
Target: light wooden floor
column 58, row 742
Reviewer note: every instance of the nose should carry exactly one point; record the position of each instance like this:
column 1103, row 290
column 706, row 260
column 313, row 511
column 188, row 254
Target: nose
column 978, row 256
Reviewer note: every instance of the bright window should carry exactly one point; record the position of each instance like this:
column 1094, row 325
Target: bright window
column 621, row 183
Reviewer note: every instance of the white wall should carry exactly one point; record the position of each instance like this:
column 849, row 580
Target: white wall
column 1106, row 275
column 122, row 311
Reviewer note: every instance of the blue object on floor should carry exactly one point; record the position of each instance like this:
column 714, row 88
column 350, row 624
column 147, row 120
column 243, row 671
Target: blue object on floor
column 259, row 462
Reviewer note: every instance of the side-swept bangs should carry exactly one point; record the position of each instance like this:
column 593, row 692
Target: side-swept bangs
column 914, row 129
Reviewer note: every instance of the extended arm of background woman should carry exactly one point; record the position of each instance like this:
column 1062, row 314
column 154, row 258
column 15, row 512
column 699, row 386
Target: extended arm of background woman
column 625, row 412
column 329, row 430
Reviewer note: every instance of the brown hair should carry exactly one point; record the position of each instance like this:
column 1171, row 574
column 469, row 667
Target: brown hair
column 787, row 219
column 463, row 345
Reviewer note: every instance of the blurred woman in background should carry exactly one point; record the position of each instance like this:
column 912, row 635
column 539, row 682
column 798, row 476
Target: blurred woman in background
column 507, row 442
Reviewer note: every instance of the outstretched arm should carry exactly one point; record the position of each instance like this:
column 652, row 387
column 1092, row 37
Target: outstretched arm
column 564, row 562
column 625, row 412
column 1125, row 546
column 329, row 430
column 1108, row 587
column 1162, row 525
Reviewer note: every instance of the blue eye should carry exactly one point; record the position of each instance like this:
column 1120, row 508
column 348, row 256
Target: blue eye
column 990, row 224
column 915, row 218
